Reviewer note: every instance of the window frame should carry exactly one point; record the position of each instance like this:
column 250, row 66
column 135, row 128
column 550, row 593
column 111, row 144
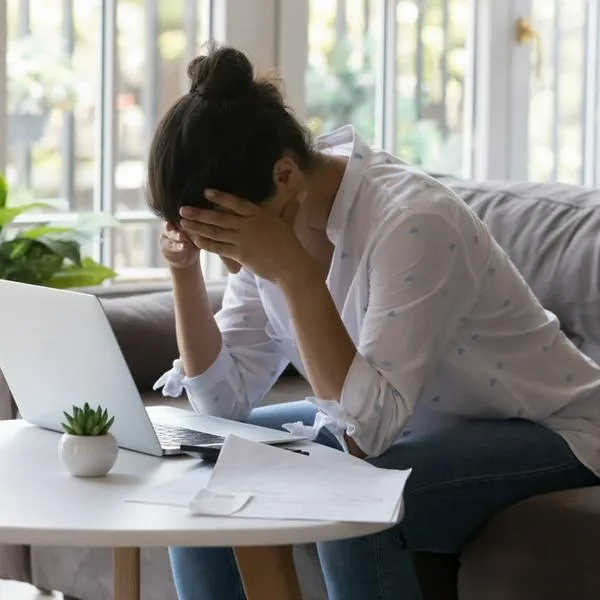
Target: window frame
column 3, row 86
column 502, row 84
column 275, row 34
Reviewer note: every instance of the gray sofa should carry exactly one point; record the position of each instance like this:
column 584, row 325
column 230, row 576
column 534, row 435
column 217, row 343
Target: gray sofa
column 543, row 548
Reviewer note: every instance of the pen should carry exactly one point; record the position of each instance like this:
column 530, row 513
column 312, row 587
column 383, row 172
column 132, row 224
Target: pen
column 297, row 451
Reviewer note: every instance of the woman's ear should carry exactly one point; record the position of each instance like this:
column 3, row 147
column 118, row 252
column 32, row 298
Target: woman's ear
column 287, row 177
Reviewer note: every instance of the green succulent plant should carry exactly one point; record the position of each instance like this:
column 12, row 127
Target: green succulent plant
column 87, row 421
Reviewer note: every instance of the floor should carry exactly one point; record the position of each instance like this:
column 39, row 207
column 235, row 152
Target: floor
column 11, row 590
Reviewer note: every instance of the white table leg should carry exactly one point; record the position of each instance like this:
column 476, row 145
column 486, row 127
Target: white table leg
column 126, row 575
column 268, row 572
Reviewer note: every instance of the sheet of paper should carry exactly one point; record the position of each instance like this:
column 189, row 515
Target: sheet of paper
column 177, row 492
column 221, row 504
column 253, row 480
column 285, row 485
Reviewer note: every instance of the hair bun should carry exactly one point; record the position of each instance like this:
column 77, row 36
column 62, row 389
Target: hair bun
column 223, row 71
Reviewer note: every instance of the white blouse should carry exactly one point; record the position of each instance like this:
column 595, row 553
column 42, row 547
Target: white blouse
column 445, row 326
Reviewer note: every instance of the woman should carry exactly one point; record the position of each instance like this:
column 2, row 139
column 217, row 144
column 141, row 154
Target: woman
column 424, row 345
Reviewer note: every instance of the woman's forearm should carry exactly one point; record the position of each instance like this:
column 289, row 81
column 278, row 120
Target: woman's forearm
column 326, row 347
column 198, row 336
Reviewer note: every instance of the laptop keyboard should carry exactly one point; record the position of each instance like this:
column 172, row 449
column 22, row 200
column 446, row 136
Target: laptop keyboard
column 170, row 436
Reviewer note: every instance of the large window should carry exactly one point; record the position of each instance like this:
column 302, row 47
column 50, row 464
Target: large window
column 87, row 83
column 394, row 69
column 561, row 88
column 481, row 88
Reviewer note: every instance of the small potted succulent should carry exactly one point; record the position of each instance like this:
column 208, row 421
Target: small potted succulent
column 87, row 449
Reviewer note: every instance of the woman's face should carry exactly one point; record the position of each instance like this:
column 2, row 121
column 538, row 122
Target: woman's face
column 286, row 203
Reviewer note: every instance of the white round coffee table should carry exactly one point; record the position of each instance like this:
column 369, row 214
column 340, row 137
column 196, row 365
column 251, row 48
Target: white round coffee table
column 41, row 504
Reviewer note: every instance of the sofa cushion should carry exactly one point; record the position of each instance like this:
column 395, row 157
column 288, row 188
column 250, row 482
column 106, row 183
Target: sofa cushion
column 8, row 409
column 144, row 325
column 15, row 562
column 544, row 547
column 145, row 330
column 552, row 234
column 287, row 389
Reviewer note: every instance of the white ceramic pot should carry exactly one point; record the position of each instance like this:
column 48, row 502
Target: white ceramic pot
column 88, row 456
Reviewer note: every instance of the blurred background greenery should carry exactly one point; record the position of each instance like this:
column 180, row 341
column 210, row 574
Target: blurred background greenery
column 54, row 148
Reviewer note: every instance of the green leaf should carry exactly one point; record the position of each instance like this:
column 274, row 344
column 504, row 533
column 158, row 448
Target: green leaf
column 8, row 215
column 89, row 274
column 107, row 427
column 87, row 421
column 3, row 191
column 62, row 248
column 80, row 231
column 28, row 261
column 68, row 429
column 45, row 230
column 90, row 423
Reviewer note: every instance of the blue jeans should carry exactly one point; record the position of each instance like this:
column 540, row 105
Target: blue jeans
column 461, row 477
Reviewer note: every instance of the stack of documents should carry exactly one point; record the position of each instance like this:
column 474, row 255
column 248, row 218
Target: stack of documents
column 253, row 480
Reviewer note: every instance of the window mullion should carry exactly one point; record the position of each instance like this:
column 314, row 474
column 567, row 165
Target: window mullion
column 248, row 26
column 420, row 58
column 387, row 89
column 209, row 17
column 556, row 100
column 502, row 80
column 470, row 103
column 591, row 128
column 292, row 51
column 68, row 149
column 107, row 134
column 3, row 87
column 23, row 151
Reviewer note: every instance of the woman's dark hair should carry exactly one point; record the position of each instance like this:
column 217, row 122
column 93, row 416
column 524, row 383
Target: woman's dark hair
column 227, row 133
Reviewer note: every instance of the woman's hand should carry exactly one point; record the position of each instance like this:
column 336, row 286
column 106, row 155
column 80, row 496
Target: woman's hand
column 177, row 248
column 248, row 234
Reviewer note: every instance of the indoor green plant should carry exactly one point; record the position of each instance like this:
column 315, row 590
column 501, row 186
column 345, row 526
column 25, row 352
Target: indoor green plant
column 87, row 448
column 48, row 254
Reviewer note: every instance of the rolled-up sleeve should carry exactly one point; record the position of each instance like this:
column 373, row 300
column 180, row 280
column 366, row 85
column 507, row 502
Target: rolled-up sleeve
column 420, row 286
column 247, row 365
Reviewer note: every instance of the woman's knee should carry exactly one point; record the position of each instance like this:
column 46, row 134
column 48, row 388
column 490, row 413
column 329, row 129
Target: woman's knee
column 275, row 415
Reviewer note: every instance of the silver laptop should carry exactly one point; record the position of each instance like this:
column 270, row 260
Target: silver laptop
column 57, row 349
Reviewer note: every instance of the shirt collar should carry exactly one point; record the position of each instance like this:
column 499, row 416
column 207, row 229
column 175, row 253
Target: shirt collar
column 345, row 142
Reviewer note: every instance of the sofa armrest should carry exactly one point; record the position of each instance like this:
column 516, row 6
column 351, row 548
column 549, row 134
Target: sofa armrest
column 8, row 409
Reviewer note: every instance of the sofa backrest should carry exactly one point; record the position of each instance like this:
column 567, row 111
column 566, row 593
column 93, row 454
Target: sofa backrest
column 552, row 234
column 143, row 322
